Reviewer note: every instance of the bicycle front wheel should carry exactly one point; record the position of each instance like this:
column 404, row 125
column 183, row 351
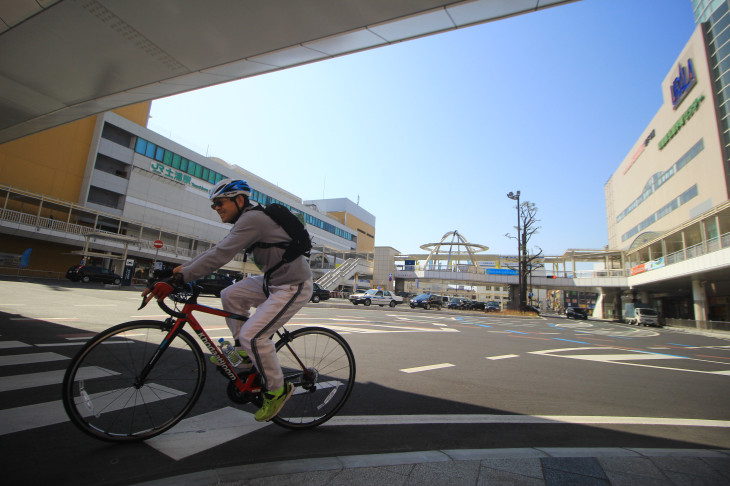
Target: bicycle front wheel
column 320, row 364
column 105, row 395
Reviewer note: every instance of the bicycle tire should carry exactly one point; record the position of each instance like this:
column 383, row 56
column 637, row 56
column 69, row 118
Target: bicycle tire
column 99, row 391
column 331, row 364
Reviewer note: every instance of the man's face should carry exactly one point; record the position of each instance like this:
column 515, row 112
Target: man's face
column 226, row 208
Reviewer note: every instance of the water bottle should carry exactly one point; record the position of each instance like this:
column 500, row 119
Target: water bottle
column 230, row 352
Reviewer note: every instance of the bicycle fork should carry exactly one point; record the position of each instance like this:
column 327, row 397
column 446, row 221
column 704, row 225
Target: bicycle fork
column 176, row 326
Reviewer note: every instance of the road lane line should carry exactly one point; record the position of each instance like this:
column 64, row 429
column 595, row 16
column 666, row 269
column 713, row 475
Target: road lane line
column 504, row 356
column 427, row 368
column 521, row 419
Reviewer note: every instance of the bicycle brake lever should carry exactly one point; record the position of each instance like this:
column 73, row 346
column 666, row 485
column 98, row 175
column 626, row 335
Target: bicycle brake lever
column 144, row 303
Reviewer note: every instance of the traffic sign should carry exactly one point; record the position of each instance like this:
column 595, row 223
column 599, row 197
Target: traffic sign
column 158, row 244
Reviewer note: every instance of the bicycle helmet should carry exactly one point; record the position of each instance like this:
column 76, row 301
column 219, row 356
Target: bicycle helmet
column 230, row 188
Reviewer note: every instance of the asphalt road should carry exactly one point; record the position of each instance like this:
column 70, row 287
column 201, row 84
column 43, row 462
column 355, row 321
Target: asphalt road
column 425, row 380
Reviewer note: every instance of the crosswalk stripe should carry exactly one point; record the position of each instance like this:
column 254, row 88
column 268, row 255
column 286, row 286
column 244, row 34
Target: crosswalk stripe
column 13, row 344
column 20, row 359
column 50, row 413
column 31, row 380
column 205, row 431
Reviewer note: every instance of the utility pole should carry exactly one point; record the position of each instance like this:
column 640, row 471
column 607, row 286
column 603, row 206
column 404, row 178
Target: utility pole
column 520, row 271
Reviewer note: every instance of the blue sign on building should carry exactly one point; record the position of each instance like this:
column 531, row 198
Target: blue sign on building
column 683, row 83
column 501, row 271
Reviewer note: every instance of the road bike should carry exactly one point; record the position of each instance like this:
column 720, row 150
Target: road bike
column 138, row 379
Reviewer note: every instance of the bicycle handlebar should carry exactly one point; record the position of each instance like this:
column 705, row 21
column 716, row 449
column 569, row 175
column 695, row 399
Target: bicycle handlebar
column 172, row 312
column 179, row 288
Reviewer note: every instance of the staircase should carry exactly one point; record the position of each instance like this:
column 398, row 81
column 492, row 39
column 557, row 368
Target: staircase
column 340, row 275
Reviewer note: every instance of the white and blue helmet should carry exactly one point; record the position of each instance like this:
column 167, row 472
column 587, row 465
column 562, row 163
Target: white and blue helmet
column 230, row 188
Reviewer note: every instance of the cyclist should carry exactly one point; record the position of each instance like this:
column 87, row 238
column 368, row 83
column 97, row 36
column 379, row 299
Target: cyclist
column 289, row 288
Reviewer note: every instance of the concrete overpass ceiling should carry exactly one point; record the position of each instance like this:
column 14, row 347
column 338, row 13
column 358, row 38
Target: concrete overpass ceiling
column 63, row 60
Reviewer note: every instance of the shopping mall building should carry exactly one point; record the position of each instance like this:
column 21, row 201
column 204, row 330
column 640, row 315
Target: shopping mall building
column 667, row 203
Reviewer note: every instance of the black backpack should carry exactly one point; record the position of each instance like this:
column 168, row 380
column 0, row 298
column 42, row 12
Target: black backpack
column 300, row 244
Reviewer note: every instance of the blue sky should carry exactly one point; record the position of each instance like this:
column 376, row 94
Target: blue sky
column 431, row 134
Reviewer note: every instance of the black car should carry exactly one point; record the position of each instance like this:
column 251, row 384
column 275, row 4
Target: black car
column 576, row 313
column 458, row 303
column 427, row 301
column 213, row 283
column 492, row 306
column 477, row 305
column 88, row 273
column 318, row 293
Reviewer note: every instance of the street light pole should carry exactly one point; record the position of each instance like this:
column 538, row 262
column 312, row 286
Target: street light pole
column 516, row 197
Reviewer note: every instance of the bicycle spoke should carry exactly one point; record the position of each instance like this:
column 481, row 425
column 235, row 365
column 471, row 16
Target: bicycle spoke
column 326, row 382
column 102, row 391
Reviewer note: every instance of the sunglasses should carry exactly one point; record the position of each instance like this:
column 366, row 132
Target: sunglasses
column 217, row 203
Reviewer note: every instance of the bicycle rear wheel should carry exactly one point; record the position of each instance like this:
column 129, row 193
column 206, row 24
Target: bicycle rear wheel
column 322, row 390
column 102, row 393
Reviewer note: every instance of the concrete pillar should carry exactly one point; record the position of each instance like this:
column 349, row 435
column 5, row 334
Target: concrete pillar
column 598, row 309
column 699, row 295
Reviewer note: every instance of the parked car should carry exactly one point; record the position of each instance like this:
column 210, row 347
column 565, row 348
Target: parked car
column 427, row 301
column 213, row 283
column 492, row 306
column 458, row 303
column 477, row 305
column 576, row 313
column 318, row 293
column 88, row 273
column 376, row 296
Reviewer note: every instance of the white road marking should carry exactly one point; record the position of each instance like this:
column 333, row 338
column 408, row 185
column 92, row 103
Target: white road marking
column 19, row 382
column 50, row 413
column 629, row 358
column 13, row 344
column 623, row 357
column 202, row 432
column 427, row 368
column 19, row 359
column 504, row 356
column 95, row 305
column 520, row 419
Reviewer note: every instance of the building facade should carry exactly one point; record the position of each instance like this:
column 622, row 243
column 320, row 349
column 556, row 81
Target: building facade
column 667, row 204
column 106, row 188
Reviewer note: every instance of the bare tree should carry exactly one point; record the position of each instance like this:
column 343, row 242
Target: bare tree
column 527, row 229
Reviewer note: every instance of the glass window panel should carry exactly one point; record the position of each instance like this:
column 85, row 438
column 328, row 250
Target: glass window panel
column 159, row 154
column 191, row 167
column 176, row 161
column 151, row 148
column 183, row 164
column 199, row 171
column 140, row 146
column 205, row 174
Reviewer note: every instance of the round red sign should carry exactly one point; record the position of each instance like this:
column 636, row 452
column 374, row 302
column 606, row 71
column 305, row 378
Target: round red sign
column 158, row 243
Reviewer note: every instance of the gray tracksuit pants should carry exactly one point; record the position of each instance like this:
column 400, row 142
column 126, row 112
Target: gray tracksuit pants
column 255, row 334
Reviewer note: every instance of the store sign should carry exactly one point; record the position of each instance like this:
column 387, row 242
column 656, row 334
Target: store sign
column 640, row 150
column 683, row 83
column 165, row 171
column 680, row 123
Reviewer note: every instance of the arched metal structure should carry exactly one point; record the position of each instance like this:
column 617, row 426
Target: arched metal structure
column 457, row 241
